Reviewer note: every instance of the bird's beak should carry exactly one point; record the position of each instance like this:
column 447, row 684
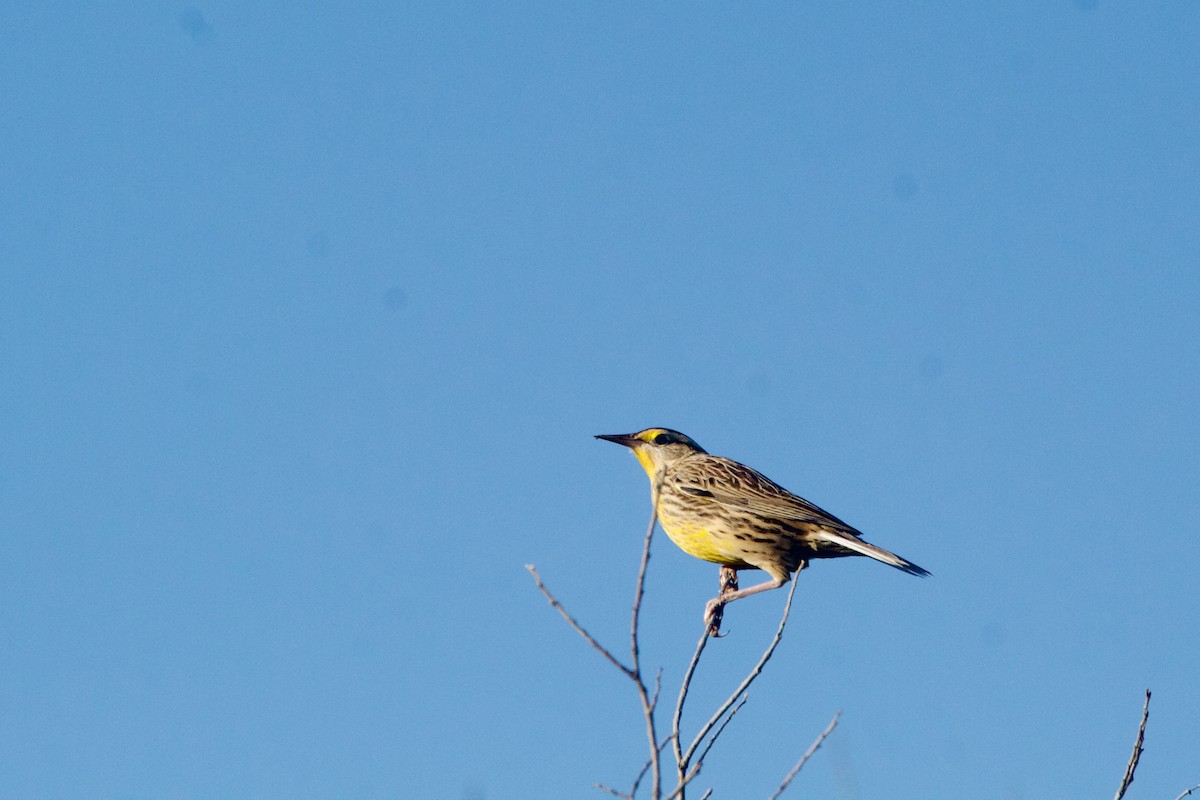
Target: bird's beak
column 623, row 439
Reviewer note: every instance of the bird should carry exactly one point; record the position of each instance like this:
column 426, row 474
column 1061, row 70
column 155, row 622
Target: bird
column 726, row 513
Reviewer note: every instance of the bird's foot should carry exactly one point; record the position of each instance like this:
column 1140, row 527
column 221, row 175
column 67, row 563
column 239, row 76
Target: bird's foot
column 714, row 612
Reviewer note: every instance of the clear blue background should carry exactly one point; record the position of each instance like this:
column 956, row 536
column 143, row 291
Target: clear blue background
column 308, row 313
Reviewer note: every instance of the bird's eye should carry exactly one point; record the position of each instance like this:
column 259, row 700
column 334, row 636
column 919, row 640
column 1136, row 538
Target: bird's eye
column 662, row 438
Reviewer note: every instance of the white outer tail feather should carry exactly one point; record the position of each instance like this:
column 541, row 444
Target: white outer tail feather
column 867, row 549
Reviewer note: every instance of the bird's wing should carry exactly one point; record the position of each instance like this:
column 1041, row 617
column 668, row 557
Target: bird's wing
column 737, row 486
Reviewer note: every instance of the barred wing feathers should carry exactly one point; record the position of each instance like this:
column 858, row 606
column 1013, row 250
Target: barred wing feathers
column 739, row 487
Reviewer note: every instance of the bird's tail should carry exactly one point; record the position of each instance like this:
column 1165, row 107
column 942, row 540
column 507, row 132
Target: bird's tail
column 851, row 542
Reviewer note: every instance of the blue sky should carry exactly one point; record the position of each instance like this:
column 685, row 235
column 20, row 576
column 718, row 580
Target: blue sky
column 308, row 314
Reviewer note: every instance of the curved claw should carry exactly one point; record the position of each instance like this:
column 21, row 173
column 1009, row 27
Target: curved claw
column 714, row 611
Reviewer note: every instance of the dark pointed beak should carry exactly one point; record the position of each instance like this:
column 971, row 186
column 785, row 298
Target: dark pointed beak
column 624, row 439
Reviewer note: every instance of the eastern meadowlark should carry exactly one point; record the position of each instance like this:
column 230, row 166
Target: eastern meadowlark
column 721, row 511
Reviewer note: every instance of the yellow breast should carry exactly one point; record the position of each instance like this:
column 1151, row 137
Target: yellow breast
column 696, row 541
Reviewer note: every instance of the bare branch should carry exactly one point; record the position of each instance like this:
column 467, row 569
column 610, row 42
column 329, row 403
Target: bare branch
column 717, row 733
column 812, row 748
column 754, row 673
column 652, row 736
column 1189, row 791
column 641, row 578
column 648, row 703
column 1137, row 750
column 680, row 764
column 612, row 791
column 629, row 673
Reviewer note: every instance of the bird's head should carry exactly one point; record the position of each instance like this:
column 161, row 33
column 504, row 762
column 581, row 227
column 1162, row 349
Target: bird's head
column 656, row 448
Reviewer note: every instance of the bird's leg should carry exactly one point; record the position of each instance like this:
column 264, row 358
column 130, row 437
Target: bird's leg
column 727, row 582
column 714, row 609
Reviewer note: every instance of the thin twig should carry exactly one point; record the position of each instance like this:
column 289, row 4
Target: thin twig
column 754, row 673
column 612, row 791
column 1137, row 750
column 720, row 728
column 578, row 628
column 648, row 704
column 681, row 766
column 641, row 578
column 812, row 748
column 1189, row 791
